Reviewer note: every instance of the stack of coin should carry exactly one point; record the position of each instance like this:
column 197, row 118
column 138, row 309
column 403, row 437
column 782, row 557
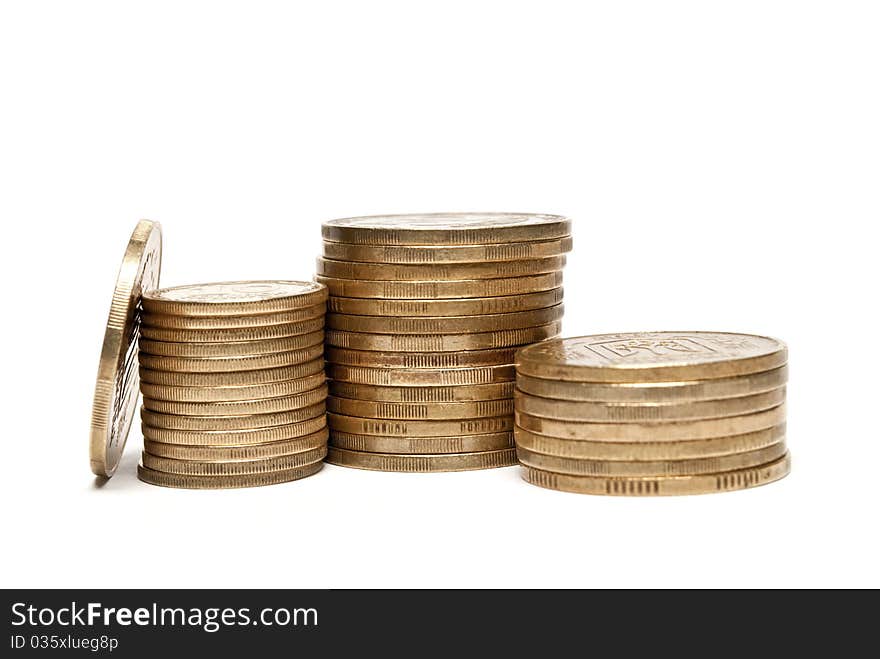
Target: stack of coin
column 232, row 376
column 425, row 314
column 653, row 413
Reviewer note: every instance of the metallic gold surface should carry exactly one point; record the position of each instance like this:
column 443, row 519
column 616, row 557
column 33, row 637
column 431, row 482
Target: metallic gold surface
column 432, row 428
column 225, row 482
column 440, row 342
column 518, row 251
column 445, row 324
column 235, row 298
column 232, row 379
column 116, row 386
column 427, row 290
column 234, row 467
column 224, row 364
column 167, row 321
column 422, row 463
column 463, row 359
column 253, row 452
column 418, row 377
column 226, row 438
column 222, row 393
column 456, row 307
column 235, row 334
column 422, row 445
column 420, row 411
column 450, row 394
column 442, row 272
column 662, row 486
column 230, row 408
column 236, row 422
column 236, row 349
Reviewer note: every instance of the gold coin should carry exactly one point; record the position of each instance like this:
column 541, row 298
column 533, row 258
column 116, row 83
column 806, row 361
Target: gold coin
column 225, row 482
column 445, row 228
column 417, row 411
column 422, row 463
column 235, row 438
column 668, row 431
column 230, row 378
column 234, row 298
column 416, row 290
column 235, row 422
column 223, row 364
column 647, row 412
column 658, row 392
column 235, row 467
column 445, row 324
column 433, row 428
column 233, row 322
column 419, row 359
column 651, row 357
column 521, row 251
column 622, row 468
column 446, row 271
column 236, row 407
column 253, row 452
column 221, row 394
column 412, row 377
column 440, row 342
column 234, row 335
column 236, row 349
column 451, row 394
column 478, row 306
column 646, row 450
column 116, row 386
column 662, row 485
column 420, row 445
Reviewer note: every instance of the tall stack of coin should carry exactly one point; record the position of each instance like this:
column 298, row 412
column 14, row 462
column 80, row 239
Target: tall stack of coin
column 653, row 413
column 425, row 314
column 232, row 376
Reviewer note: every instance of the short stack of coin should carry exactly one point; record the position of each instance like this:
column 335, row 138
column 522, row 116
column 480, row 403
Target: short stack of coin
column 654, row 413
column 425, row 315
column 232, row 376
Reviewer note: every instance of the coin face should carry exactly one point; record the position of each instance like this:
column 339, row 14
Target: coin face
column 446, row 228
column 116, row 388
column 651, row 356
column 235, row 297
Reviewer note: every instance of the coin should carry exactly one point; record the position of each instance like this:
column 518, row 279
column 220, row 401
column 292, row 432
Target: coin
column 440, row 342
column 651, row 357
column 647, row 412
column 662, row 392
column 416, row 411
column 237, row 349
column 235, row 298
column 230, row 378
column 445, row 228
column 625, row 468
column 222, row 482
column 519, row 251
column 450, row 394
column 671, row 431
column 116, row 386
column 447, row 271
column 236, row 422
column 411, row 290
column 235, row 407
column 236, row 334
column 235, row 438
column 419, row 359
column 445, row 324
column 433, row 428
column 220, row 364
column 477, row 306
column 235, row 467
column 220, row 394
column 417, row 377
column 648, row 450
column 422, row 463
column 420, row 445
column 662, row 485
column 253, row 452
column 232, row 322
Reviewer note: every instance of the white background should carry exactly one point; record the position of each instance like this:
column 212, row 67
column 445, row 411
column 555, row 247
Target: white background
column 719, row 160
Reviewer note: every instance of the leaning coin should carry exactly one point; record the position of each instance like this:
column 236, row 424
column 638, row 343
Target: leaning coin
column 412, row 377
column 662, row 485
column 232, row 322
column 461, row 359
column 236, row 334
column 647, row 412
column 657, row 392
column 417, row 411
column 237, row 422
column 476, row 306
column 254, row 452
column 235, row 467
column 235, row 298
column 450, row 394
column 236, row 349
column 671, row 431
column 236, row 407
column 230, row 378
column 444, row 271
column 154, row 477
column 445, row 324
column 421, row 445
column 223, row 364
column 445, row 254
column 647, row 450
column 422, row 463
column 440, row 342
column 410, row 290
column 220, row 394
column 612, row 468
column 433, row 428
column 226, row 438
